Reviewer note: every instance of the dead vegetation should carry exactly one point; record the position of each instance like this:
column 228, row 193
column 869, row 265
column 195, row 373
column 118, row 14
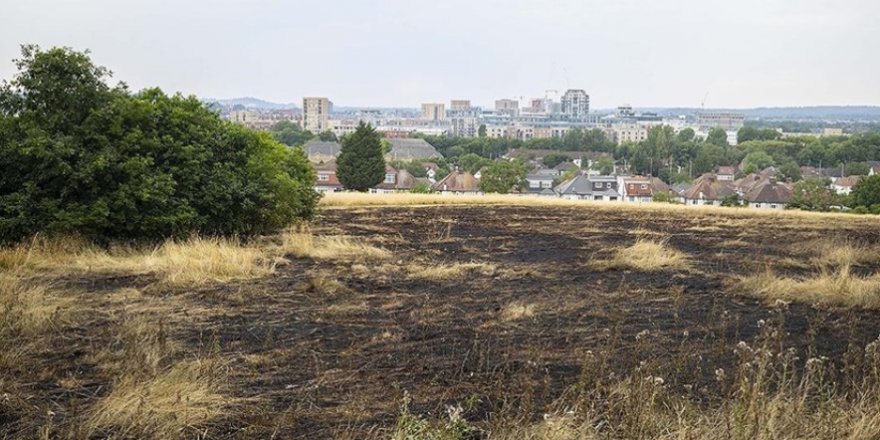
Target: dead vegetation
column 648, row 255
column 303, row 244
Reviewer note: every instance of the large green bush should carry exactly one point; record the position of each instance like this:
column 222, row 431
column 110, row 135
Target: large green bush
column 80, row 157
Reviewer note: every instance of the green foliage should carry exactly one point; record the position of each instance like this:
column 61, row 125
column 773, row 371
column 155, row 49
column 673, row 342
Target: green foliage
column 717, row 137
column 856, row 169
column 749, row 133
column 756, row 161
column 790, row 171
column 410, row 426
column 503, row 176
column 481, row 132
column 664, row 197
column 327, row 136
column 414, row 167
column 472, row 163
column 604, row 165
column 289, row 133
column 814, row 194
column 866, row 192
column 421, row 188
column 732, row 200
column 686, row 135
column 551, row 160
column 79, row 157
column 361, row 164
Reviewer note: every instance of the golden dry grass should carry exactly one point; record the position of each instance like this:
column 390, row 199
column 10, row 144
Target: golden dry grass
column 516, row 311
column 347, row 200
column 839, row 253
column 649, row 256
column 303, row 244
column 169, row 405
column 450, row 271
column 178, row 263
column 27, row 307
column 832, row 287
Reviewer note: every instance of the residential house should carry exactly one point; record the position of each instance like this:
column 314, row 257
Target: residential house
column 642, row 189
column 399, row 181
column 458, row 182
column 844, row 185
column 768, row 194
column 320, row 151
column 325, row 177
column 564, row 167
column 541, row 178
column 726, row 174
column 874, row 170
column 604, row 188
column 411, row 149
column 707, row 190
column 576, row 188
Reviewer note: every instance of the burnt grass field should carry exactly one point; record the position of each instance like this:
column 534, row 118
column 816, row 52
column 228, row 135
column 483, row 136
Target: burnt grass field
column 304, row 360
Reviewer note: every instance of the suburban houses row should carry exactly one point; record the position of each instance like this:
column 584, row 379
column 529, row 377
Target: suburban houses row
column 576, row 179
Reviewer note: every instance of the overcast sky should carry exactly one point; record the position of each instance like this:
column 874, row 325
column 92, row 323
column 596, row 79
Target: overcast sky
column 738, row 53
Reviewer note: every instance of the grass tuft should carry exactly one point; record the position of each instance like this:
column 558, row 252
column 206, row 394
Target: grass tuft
column 649, row 256
column 303, row 244
column 837, row 288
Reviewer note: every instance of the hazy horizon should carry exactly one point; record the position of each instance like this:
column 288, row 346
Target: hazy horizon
column 746, row 54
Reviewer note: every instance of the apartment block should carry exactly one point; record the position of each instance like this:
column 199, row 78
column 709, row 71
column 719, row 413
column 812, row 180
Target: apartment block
column 316, row 114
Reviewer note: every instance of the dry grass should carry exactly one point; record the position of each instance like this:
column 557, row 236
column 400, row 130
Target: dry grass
column 649, row 256
column 172, row 404
column 28, row 308
column 838, row 288
column 303, row 244
column 839, row 253
column 516, row 311
column 450, row 271
column 178, row 263
column 806, row 218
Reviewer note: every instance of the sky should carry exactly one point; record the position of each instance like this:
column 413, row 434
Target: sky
column 384, row 53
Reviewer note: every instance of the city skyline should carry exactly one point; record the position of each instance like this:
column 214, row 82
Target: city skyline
column 403, row 54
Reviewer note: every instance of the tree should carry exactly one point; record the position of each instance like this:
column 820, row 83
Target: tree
column 604, row 165
column 747, row 133
column 756, row 161
column 472, row 163
column 327, row 136
column 686, row 135
column 813, row 194
column 504, row 176
column 289, row 133
column 867, row 192
column 361, row 165
column 80, row 157
column 481, row 132
column 553, row 159
column 718, row 137
column 790, row 171
column 732, row 200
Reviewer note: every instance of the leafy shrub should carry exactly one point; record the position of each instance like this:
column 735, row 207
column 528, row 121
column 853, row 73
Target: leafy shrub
column 79, row 157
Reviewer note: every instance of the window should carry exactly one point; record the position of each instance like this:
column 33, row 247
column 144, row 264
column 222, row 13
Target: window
column 389, row 178
column 644, row 186
column 323, row 177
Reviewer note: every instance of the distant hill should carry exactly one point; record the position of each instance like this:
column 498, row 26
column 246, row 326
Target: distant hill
column 252, row 103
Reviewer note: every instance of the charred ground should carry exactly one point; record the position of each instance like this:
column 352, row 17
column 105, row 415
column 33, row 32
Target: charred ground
column 306, row 361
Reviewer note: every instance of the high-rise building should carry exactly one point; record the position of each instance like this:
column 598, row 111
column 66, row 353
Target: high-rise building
column 507, row 107
column 460, row 104
column 316, row 114
column 434, row 112
column 575, row 103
